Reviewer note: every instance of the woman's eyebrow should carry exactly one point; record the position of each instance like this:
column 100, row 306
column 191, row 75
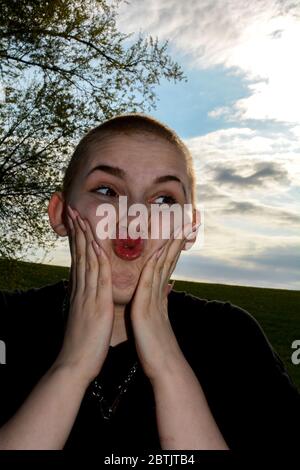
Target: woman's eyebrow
column 115, row 171
column 163, row 179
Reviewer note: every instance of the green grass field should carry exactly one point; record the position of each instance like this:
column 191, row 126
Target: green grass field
column 276, row 310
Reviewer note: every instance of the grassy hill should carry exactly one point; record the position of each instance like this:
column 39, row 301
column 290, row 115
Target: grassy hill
column 277, row 310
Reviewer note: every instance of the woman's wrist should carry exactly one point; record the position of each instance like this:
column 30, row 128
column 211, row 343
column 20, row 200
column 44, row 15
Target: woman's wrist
column 72, row 372
column 172, row 365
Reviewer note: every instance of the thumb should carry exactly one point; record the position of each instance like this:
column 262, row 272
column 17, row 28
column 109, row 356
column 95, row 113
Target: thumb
column 170, row 287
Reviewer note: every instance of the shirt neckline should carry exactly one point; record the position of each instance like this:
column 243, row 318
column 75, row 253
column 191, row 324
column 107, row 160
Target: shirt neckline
column 119, row 345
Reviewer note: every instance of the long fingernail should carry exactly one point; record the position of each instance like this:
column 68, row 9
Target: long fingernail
column 170, row 286
column 70, row 211
column 159, row 252
column 81, row 223
column 70, row 222
column 193, row 232
column 190, row 236
column 177, row 231
column 187, row 229
column 97, row 248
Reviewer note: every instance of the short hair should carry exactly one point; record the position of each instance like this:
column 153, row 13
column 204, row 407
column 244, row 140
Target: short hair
column 129, row 123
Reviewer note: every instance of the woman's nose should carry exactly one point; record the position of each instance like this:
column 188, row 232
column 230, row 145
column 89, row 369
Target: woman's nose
column 139, row 223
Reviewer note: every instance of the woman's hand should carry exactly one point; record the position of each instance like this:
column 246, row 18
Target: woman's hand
column 184, row 419
column 91, row 315
column 155, row 340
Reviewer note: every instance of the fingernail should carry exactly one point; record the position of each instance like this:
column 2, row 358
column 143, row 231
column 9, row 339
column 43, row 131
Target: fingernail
column 187, row 229
column 70, row 210
column 190, row 236
column 97, row 247
column 70, row 222
column 177, row 231
column 159, row 252
column 81, row 223
column 171, row 285
column 192, row 232
column 196, row 226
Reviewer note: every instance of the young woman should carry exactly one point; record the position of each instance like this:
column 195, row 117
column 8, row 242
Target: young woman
column 113, row 359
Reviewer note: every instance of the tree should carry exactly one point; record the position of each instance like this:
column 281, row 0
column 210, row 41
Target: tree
column 65, row 67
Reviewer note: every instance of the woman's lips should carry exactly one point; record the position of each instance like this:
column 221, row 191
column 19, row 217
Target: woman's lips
column 128, row 248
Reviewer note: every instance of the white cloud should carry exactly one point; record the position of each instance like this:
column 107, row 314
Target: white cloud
column 257, row 39
column 246, row 150
column 250, row 211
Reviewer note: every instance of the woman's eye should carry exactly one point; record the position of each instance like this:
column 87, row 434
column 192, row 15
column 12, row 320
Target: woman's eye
column 170, row 200
column 110, row 191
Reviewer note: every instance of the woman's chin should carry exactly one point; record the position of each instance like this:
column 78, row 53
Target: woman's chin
column 125, row 277
column 124, row 284
column 122, row 295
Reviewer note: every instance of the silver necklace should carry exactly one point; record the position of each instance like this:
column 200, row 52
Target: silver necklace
column 107, row 410
column 95, row 390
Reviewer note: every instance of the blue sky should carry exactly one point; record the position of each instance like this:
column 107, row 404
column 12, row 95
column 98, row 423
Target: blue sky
column 239, row 114
column 185, row 105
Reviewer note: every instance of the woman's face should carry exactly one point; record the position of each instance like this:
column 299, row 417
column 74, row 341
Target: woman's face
column 141, row 159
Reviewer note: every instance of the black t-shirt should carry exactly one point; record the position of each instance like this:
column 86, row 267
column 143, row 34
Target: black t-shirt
column 248, row 390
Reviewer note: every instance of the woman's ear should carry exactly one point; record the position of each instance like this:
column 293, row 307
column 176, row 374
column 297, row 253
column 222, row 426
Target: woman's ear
column 196, row 221
column 56, row 214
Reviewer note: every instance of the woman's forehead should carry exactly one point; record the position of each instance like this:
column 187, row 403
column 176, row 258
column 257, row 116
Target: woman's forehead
column 137, row 150
column 138, row 161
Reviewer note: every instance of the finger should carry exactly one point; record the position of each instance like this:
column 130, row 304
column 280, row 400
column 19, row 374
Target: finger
column 166, row 277
column 92, row 264
column 175, row 252
column 161, row 254
column 190, row 240
column 163, row 266
column 104, row 297
column 170, row 287
column 71, row 217
column 80, row 254
column 144, row 291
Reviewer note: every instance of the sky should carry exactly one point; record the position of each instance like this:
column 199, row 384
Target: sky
column 239, row 114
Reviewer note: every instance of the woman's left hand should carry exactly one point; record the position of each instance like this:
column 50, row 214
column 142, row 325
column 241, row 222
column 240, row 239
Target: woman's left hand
column 155, row 341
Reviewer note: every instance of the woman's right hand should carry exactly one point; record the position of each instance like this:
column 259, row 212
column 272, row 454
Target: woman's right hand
column 91, row 315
